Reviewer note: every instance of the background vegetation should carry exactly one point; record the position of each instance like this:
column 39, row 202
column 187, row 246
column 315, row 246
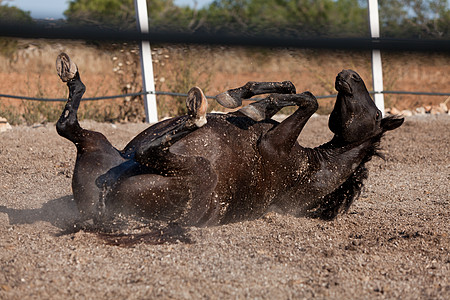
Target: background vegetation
column 27, row 67
column 399, row 18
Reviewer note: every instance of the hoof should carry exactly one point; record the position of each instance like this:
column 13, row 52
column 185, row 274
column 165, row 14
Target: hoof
column 197, row 105
column 255, row 113
column 228, row 101
column 65, row 67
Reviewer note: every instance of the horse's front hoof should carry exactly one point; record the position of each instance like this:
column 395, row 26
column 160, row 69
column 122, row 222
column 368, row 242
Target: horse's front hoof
column 65, row 67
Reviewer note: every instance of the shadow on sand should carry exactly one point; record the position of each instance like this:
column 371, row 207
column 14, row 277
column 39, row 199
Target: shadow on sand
column 60, row 212
column 122, row 231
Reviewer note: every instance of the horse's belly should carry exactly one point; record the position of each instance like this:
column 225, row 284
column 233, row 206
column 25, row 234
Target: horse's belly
column 236, row 162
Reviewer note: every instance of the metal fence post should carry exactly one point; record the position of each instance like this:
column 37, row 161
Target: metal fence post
column 148, row 84
column 377, row 70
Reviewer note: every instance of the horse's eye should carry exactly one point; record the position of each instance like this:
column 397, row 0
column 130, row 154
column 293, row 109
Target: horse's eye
column 356, row 77
column 378, row 115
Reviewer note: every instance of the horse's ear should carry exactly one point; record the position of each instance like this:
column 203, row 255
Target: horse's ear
column 391, row 122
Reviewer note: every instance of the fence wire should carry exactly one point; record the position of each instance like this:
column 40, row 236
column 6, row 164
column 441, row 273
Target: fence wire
column 58, row 31
column 185, row 95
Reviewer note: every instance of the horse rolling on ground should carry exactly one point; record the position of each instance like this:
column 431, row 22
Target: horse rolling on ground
column 208, row 169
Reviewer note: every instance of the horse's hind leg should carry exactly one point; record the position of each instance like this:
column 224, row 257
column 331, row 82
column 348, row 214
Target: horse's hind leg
column 67, row 125
column 181, row 191
column 95, row 155
column 233, row 98
column 151, row 148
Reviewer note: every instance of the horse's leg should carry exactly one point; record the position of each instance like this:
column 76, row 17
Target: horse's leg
column 280, row 140
column 181, row 191
column 266, row 108
column 233, row 98
column 67, row 125
column 151, row 147
column 180, row 186
column 95, row 154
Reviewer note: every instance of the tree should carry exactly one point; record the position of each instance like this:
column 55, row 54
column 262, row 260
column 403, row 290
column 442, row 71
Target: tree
column 121, row 13
column 415, row 18
column 13, row 14
column 299, row 17
column 110, row 12
column 399, row 18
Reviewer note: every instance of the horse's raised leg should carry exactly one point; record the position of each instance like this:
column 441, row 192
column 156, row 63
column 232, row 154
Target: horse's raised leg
column 95, row 154
column 233, row 98
column 173, row 186
column 151, row 147
column 266, row 108
column 280, row 140
column 67, row 125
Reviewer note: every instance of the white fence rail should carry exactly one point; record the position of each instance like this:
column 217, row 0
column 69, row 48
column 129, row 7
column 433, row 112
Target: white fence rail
column 377, row 69
column 148, row 83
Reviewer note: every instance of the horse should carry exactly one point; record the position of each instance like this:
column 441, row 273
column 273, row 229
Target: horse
column 206, row 169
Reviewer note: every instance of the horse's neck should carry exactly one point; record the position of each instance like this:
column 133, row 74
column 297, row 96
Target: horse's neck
column 332, row 163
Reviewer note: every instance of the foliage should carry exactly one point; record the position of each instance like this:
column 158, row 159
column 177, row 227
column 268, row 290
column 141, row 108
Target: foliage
column 415, row 18
column 302, row 17
column 8, row 46
column 11, row 114
column 31, row 112
column 110, row 12
column 121, row 13
column 186, row 74
column 11, row 14
column 127, row 66
column 399, row 18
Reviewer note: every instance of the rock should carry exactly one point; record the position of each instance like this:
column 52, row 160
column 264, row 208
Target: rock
column 4, row 125
column 406, row 113
column 436, row 110
column 396, row 111
column 393, row 111
column 420, row 110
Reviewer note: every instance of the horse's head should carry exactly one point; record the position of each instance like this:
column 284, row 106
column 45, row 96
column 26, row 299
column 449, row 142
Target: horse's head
column 355, row 116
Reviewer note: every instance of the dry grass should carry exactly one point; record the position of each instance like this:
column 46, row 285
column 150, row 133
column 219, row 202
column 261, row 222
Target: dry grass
column 115, row 69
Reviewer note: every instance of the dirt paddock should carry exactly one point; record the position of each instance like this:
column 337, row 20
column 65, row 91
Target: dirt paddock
column 393, row 243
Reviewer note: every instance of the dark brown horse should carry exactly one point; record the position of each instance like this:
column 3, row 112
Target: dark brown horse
column 207, row 169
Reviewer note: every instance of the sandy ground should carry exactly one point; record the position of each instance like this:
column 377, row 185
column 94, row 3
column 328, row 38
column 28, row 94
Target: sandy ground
column 393, row 243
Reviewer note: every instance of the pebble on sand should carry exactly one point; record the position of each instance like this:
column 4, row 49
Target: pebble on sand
column 4, row 125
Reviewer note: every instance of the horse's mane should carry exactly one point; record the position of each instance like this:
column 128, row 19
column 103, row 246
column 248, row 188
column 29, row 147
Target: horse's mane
column 340, row 200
